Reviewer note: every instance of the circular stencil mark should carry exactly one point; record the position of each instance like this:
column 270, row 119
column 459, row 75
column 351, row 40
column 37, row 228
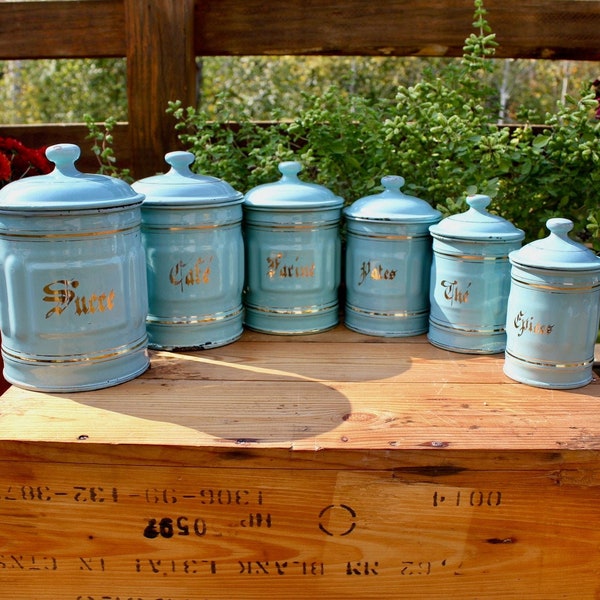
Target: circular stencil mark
column 339, row 519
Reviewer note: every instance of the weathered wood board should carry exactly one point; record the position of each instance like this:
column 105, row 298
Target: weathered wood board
column 328, row 466
column 557, row 29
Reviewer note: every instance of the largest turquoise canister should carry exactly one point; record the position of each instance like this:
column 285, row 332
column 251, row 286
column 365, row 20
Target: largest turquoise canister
column 388, row 262
column 553, row 311
column 470, row 279
column 192, row 233
column 293, row 255
column 73, row 296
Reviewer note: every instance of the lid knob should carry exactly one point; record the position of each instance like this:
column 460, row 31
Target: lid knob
column 478, row 202
column 392, row 182
column 290, row 169
column 180, row 162
column 64, row 157
column 557, row 251
column 560, row 227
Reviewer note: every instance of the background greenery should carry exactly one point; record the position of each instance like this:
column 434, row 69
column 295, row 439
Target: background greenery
column 264, row 88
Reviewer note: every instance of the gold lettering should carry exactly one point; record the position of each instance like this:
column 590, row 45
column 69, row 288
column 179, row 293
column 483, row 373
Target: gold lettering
column 522, row 323
column 198, row 274
column 275, row 268
column 62, row 293
column 175, row 274
column 106, row 302
column 81, row 306
column 376, row 272
column 453, row 293
column 273, row 264
column 62, row 297
column 305, row 271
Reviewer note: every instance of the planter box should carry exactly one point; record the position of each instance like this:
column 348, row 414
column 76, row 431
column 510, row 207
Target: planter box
column 327, row 466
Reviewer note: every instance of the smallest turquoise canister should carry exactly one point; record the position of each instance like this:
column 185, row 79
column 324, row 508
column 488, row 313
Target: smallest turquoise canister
column 553, row 311
column 192, row 234
column 293, row 255
column 388, row 262
column 470, row 279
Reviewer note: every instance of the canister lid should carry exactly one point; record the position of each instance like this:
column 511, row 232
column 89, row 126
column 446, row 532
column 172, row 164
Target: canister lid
column 291, row 193
column 557, row 251
column 477, row 224
column 181, row 187
column 392, row 205
column 66, row 188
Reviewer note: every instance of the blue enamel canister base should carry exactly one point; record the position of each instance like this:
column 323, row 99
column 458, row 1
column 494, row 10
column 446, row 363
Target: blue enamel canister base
column 466, row 341
column 215, row 330
column 293, row 272
column 551, row 328
column 385, row 324
column 387, row 282
column 195, row 271
column 74, row 309
column 549, row 376
column 293, row 278
column 76, row 374
column 290, row 321
column 469, row 292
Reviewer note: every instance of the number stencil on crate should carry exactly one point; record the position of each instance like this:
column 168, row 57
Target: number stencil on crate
column 128, row 527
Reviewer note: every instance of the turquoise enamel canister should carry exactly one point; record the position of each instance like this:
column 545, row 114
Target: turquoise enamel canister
column 553, row 311
column 192, row 234
column 470, row 279
column 293, row 255
column 73, row 298
column 388, row 262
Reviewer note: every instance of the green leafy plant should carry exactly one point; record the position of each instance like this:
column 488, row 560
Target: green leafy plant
column 443, row 139
column 245, row 153
column 102, row 146
column 554, row 172
column 439, row 134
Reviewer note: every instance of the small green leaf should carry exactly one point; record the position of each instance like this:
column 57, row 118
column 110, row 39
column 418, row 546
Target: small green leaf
column 541, row 141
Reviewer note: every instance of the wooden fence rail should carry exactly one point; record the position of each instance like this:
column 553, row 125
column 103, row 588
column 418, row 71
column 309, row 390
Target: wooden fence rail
column 162, row 38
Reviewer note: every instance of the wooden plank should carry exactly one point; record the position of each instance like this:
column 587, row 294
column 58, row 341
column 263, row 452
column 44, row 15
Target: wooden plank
column 307, row 416
column 58, row 29
column 102, row 531
column 325, row 395
column 560, row 29
column 312, row 416
column 326, row 361
column 352, row 28
column 161, row 67
column 566, row 29
column 567, row 466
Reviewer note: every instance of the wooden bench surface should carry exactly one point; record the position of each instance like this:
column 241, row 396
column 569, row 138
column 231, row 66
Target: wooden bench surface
column 336, row 391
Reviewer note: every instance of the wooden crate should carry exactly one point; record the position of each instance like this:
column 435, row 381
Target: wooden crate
column 327, row 466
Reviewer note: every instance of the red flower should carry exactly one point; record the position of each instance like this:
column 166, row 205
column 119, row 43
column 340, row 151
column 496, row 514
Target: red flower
column 5, row 170
column 18, row 161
